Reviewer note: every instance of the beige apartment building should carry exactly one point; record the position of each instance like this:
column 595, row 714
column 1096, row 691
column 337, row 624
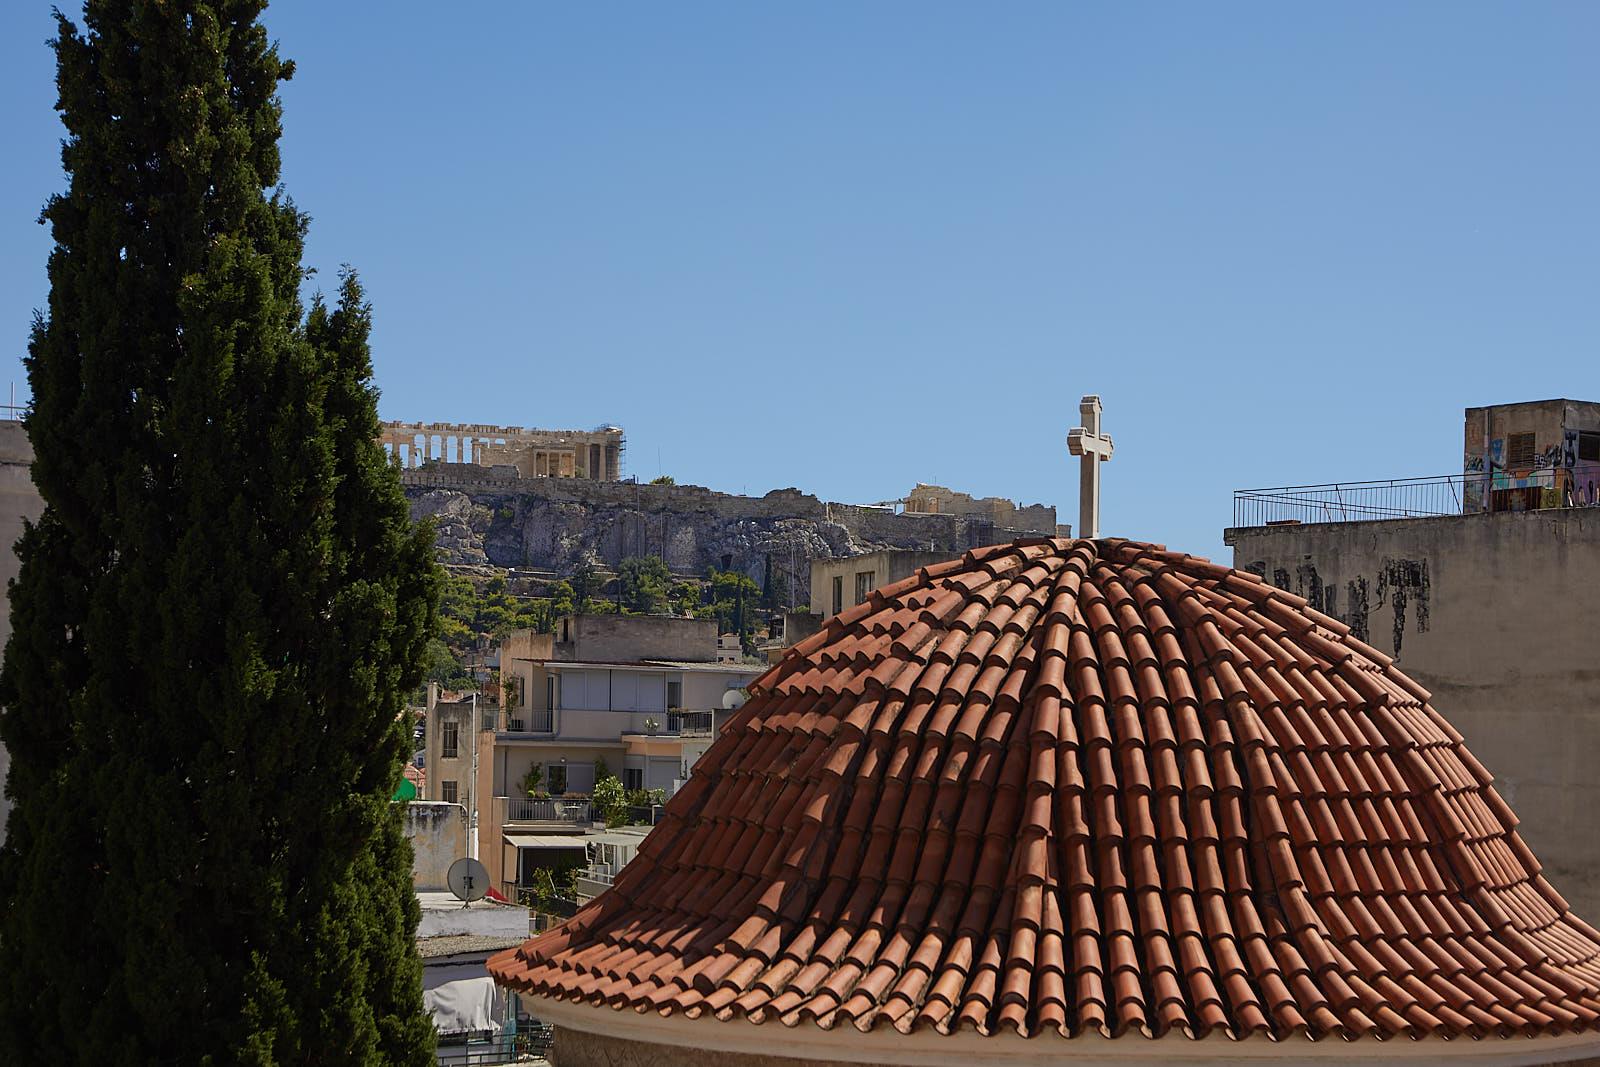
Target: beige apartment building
column 838, row 584
column 640, row 695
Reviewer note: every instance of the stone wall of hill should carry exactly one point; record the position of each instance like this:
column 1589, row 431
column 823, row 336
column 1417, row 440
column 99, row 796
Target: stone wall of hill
column 489, row 517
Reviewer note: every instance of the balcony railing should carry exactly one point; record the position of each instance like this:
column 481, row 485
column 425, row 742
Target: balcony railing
column 526, row 809
column 529, row 720
column 691, row 723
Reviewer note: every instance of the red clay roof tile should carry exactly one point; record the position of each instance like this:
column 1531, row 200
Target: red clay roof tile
column 1073, row 785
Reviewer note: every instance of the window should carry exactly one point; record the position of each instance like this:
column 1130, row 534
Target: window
column 451, row 739
column 447, row 792
column 675, row 694
column 865, row 582
column 632, row 778
column 1519, row 451
column 838, row 595
column 1589, row 446
column 556, row 775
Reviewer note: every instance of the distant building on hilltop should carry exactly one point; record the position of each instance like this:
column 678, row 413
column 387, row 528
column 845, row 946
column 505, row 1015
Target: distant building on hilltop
column 1002, row 513
column 593, row 454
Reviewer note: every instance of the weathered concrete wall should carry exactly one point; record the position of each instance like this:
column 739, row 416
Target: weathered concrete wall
column 495, row 519
column 1495, row 614
column 19, row 500
column 623, row 638
column 438, row 833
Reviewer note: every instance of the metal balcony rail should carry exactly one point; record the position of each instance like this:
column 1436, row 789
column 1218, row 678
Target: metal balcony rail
column 528, row 720
column 526, row 809
column 691, row 723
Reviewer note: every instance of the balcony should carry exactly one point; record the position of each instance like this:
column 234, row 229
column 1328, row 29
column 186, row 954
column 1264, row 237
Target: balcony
column 529, row 721
column 691, row 723
column 554, row 811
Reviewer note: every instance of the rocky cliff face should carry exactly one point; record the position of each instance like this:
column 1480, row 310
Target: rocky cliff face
column 551, row 524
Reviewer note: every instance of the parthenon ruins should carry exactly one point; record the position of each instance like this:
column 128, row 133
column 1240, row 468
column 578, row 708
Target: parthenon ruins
column 594, row 454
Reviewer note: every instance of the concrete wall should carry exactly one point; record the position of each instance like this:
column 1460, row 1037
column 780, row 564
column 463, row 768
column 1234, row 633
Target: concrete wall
column 18, row 500
column 625, row 638
column 1496, row 615
column 885, row 567
column 438, row 834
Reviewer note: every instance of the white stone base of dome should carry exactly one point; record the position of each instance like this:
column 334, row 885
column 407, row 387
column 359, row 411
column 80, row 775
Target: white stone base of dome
column 612, row 1037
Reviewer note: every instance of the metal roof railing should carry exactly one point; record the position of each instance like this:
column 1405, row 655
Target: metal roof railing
column 1412, row 498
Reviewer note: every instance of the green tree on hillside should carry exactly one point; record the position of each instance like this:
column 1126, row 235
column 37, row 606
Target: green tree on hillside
column 221, row 608
column 646, row 584
column 734, row 600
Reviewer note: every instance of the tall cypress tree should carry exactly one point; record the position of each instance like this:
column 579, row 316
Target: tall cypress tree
column 223, row 605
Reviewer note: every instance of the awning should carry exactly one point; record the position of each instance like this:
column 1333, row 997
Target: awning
column 546, row 841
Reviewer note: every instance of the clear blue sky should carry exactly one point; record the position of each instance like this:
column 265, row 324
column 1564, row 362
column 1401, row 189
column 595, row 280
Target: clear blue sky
column 848, row 247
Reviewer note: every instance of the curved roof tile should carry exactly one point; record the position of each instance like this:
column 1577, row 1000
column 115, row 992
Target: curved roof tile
column 1085, row 785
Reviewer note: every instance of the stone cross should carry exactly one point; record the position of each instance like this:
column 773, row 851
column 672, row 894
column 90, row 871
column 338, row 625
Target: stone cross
column 1094, row 447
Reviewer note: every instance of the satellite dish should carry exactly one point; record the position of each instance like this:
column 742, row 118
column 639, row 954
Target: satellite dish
column 468, row 879
column 733, row 698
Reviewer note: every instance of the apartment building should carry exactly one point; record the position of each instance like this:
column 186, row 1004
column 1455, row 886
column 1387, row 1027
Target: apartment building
column 640, row 695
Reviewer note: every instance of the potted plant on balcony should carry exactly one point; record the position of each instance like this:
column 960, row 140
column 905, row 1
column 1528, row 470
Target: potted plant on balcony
column 651, row 725
column 532, row 781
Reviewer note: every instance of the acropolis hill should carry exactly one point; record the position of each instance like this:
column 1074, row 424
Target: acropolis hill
column 494, row 513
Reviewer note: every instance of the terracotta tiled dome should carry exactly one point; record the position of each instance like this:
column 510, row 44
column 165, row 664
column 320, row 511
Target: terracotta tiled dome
column 1072, row 787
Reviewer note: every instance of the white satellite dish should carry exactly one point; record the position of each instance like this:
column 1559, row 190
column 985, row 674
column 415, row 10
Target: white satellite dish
column 468, row 879
column 733, row 699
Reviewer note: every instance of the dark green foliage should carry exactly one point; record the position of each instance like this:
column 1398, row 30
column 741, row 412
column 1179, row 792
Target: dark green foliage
column 646, row 584
column 222, row 607
column 735, row 599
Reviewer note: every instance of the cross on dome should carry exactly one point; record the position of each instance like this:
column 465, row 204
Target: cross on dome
column 1094, row 447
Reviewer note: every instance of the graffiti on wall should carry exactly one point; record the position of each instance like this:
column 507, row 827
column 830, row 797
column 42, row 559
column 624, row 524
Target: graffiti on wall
column 1404, row 584
column 1356, row 614
column 1584, row 479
